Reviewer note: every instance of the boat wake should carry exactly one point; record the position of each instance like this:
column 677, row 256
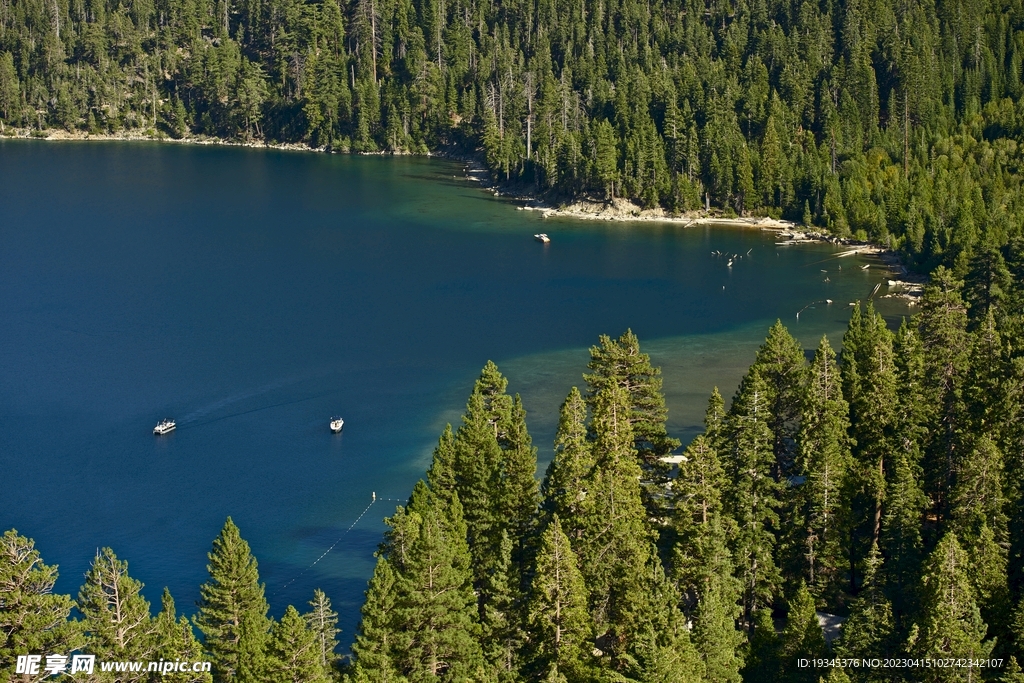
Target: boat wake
column 214, row 412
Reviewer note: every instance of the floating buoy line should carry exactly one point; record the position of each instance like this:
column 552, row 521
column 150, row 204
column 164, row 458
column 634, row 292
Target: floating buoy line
column 374, row 500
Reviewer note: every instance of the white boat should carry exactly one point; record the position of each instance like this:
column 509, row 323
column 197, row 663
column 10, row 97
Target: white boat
column 164, row 427
column 542, row 237
column 337, row 424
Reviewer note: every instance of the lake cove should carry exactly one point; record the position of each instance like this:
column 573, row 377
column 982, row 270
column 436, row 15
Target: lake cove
column 253, row 294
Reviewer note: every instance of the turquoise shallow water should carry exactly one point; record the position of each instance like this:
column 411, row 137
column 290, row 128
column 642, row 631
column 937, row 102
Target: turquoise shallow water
column 252, row 294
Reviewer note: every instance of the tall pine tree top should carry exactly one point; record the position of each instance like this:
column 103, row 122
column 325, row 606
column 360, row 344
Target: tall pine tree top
column 621, row 362
column 232, row 613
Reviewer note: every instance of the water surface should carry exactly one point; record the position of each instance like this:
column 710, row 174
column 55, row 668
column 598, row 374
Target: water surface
column 252, row 294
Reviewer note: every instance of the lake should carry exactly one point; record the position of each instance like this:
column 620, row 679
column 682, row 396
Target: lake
column 252, row 294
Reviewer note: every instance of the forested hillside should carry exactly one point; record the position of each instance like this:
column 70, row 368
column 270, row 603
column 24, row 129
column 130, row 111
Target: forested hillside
column 891, row 120
column 883, row 488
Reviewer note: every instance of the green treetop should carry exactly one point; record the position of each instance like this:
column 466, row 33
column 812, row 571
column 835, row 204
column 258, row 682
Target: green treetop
column 176, row 641
column 781, row 366
column 621, row 362
column 617, row 541
column 700, row 554
column 232, row 613
column 502, row 630
column 33, row 619
column 435, row 620
column 874, row 412
column 293, row 653
column 376, row 638
column 951, row 624
column 495, row 473
column 117, row 621
column 825, row 460
column 714, row 420
column 557, row 611
column 753, row 495
column 323, row 622
column 442, row 476
column 764, row 657
column 870, row 630
column 476, row 462
column 564, row 485
column 715, row 632
column 802, row 637
column 947, row 347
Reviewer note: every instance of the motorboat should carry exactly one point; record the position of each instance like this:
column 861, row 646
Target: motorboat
column 542, row 237
column 164, row 427
column 337, row 424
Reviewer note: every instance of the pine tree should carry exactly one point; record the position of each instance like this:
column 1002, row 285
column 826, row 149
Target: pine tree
column 1013, row 449
column 873, row 415
column 564, row 487
column 753, row 495
column 495, row 473
column 617, row 542
column 502, row 634
column 951, row 624
column 1012, row 673
column 557, row 611
column 946, row 345
column 516, row 491
column 435, row 619
column 442, row 476
column 232, row 613
column 33, row 619
column 714, row 421
column 621, row 362
column 700, row 554
column 802, row 638
column 905, row 501
column 985, row 389
column 763, row 661
column 175, row 641
column 376, row 639
column 909, row 356
column 293, row 653
column 477, row 455
column 869, row 630
column 780, row 365
column 977, row 497
column 322, row 620
column 825, row 460
column 660, row 649
column 901, row 542
column 714, row 629
column 978, row 515
column 852, row 342
column 987, row 283
column 117, row 621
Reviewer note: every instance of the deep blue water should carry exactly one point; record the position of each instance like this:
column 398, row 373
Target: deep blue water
column 252, row 294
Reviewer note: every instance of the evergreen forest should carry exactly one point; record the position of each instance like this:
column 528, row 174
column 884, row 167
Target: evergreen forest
column 893, row 121
column 878, row 490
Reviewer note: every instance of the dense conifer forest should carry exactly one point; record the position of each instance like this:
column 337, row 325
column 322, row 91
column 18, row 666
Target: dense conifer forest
column 895, row 121
column 880, row 489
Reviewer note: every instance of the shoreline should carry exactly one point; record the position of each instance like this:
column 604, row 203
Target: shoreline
column 907, row 285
